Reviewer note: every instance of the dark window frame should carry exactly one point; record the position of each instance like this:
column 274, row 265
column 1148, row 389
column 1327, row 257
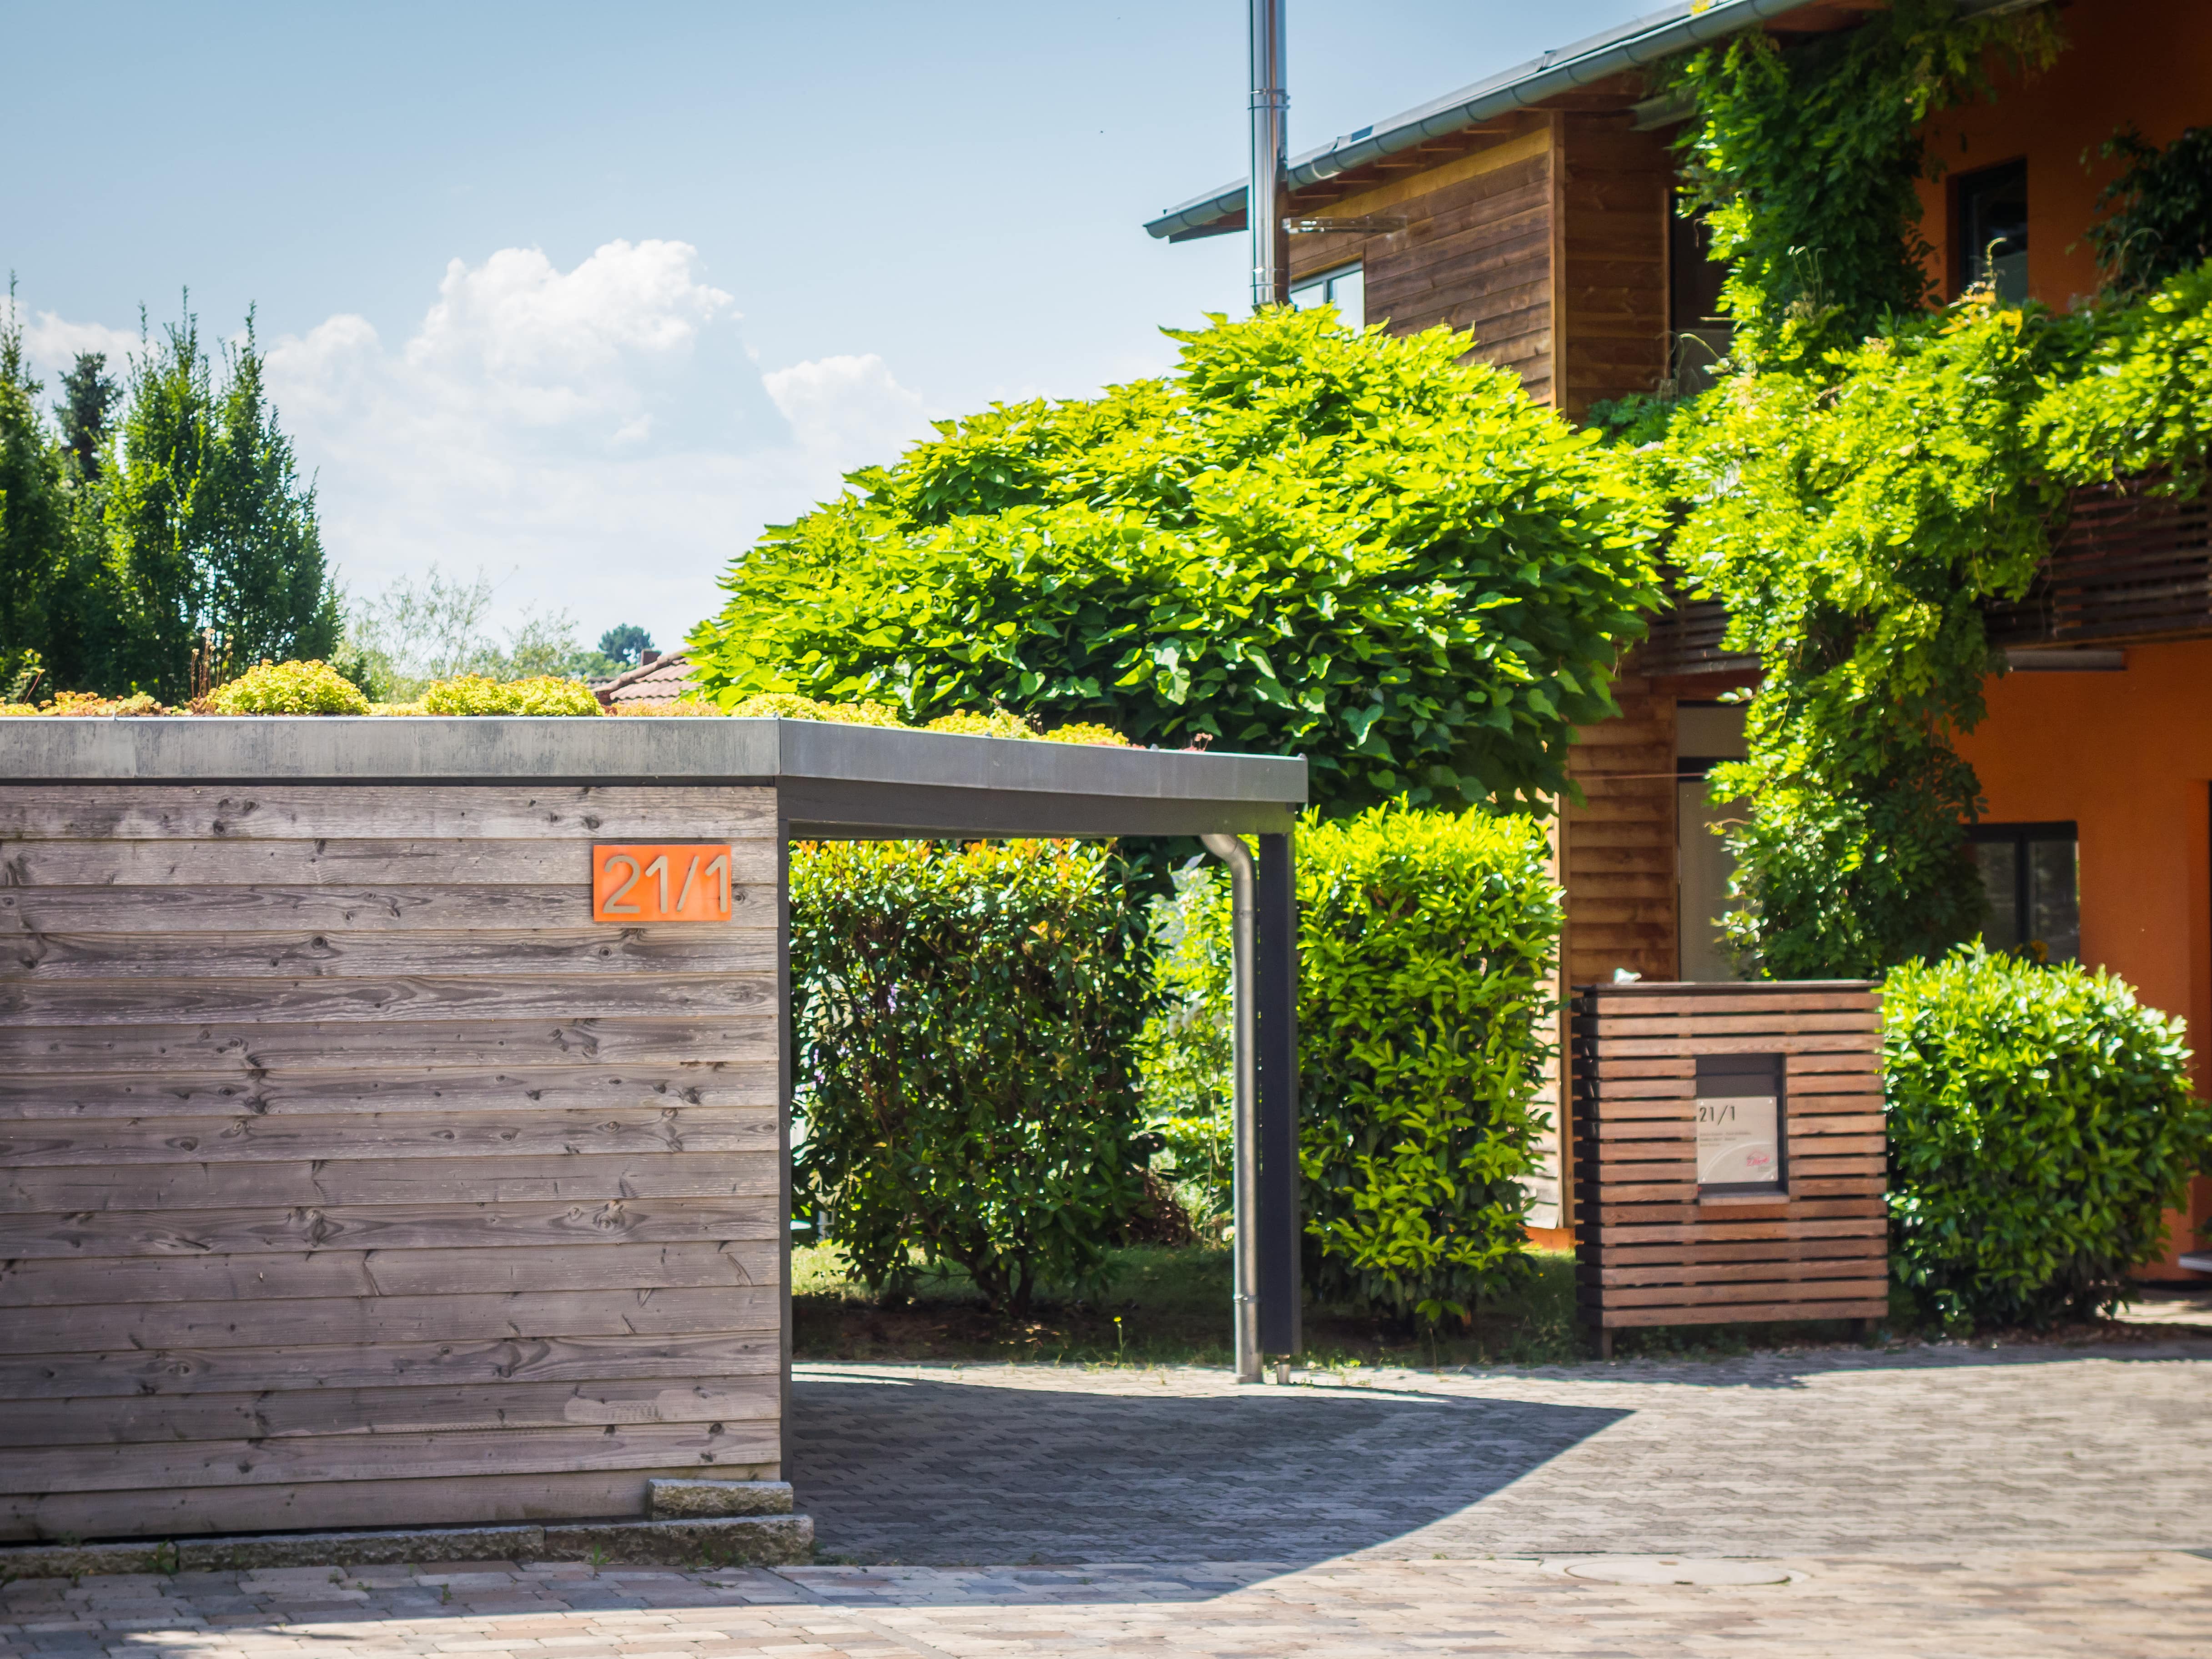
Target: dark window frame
column 1966, row 257
column 2020, row 837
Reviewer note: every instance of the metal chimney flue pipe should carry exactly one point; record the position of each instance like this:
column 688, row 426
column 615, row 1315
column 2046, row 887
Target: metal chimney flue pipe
column 1271, row 124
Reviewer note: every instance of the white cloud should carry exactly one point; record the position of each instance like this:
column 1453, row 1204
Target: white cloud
column 603, row 433
column 52, row 345
column 600, row 439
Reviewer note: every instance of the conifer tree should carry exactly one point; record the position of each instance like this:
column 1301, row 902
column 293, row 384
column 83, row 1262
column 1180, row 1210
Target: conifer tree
column 34, row 519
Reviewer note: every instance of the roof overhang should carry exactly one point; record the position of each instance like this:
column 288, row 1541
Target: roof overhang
column 832, row 780
column 1571, row 70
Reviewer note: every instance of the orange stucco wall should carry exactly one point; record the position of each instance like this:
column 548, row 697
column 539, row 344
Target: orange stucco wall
column 2145, row 61
column 2127, row 757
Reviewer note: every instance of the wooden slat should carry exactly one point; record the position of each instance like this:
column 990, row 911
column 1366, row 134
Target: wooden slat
column 1681, row 1257
column 451, row 1455
column 463, row 1044
column 431, row 1408
column 188, row 1512
column 254, row 1138
column 1861, row 1023
column 1809, row 1220
column 746, row 944
column 513, row 995
column 310, row 1373
column 75, row 1282
column 352, row 1321
column 1756, row 1314
column 569, row 813
column 1851, row 1267
column 368, row 863
column 80, row 1094
column 1604, row 1049
column 1809, row 1292
column 74, row 1189
column 414, row 907
column 1731, row 1002
column 273, row 1230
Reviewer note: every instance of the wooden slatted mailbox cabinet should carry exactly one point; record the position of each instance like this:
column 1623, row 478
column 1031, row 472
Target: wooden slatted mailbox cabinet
column 1730, row 1159
column 355, row 1176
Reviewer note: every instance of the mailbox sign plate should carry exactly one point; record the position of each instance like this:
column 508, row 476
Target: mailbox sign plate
column 677, row 881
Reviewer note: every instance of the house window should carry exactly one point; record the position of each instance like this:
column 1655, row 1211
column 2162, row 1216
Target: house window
column 1345, row 288
column 1698, row 332
column 1706, row 735
column 2029, row 874
column 1992, row 230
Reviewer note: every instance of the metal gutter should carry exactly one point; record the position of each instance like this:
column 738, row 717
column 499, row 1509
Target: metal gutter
column 1646, row 40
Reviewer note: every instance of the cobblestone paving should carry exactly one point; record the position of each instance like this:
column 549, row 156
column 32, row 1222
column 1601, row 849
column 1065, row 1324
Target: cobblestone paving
column 2117, row 1606
column 1825, row 1451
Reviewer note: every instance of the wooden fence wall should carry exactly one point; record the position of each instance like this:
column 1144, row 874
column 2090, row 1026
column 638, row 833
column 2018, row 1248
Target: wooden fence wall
column 352, row 1177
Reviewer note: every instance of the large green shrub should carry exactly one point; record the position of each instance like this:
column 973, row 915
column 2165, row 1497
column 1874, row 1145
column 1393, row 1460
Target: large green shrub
column 961, row 1020
column 2039, row 1122
column 1427, row 941
column 1308, row 540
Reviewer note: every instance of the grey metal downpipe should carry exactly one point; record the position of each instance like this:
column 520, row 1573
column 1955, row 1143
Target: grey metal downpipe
column 1271, row 149
column 1244, row 1099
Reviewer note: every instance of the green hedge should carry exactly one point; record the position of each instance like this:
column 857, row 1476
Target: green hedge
column 962, row 1019
column 1426, row 944
column 2040, row 1122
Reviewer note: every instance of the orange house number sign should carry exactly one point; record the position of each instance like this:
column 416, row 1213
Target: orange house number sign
column 677, row 882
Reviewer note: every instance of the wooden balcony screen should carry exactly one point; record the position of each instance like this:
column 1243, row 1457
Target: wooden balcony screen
column 2130, row 567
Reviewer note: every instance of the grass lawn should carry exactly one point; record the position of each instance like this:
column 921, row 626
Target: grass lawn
column 1170, row 1306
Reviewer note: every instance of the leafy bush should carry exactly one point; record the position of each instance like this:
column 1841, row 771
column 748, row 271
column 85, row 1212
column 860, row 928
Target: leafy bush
column 90, row 705
column 783, row 705
column 289, row 688
column 2039, row 1122
column 966, row 723
column 1425, row 944
column 2158, row 213
column 961, row 1017
column 474, row 694
column 682, row 708
column 1309, row 540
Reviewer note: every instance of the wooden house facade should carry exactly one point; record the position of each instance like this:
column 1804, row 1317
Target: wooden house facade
column 1535, row 208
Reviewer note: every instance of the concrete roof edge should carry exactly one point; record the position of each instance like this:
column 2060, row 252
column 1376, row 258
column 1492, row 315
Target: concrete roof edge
column 1645, row 40
column 340, row 749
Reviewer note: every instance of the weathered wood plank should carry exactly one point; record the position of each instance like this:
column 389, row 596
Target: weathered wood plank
column 1602, row 1049
column 250, row 1138
column 74, row 1189
column 322, row 863
column 1593, row 1253
column 427, row 997
column 309, row 1046
column 1865, row 1022
column 451, row 1455
column 492, row 1363
column 48, row 1281
column 1721, row 1002
column 432, row 1408
column 348, row 908
column 186, row 1511
column 78, row 1095
column 744, row 946
column 193, row 1422
column 1826, row 1219
column 623, row 812
column 1811, row 1292
column 1727, row 1314
column 347, row 1321
column 1853, row 1268
column 273, row 1229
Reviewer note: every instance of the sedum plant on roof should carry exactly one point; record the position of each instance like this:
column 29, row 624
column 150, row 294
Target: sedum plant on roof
column 1306, row 540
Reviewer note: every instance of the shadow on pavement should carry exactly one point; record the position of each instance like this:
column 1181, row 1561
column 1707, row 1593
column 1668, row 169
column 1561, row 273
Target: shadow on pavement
column 914, row 1471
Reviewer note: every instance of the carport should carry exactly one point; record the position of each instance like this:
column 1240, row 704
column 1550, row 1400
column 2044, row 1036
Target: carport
column 397, row 1111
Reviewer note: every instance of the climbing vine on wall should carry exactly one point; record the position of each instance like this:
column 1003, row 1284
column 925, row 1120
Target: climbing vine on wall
column 1872, row 471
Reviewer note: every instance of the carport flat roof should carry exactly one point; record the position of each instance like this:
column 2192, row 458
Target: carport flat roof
column 831, row 780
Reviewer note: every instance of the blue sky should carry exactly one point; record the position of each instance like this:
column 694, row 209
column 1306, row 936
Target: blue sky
column 583, row 295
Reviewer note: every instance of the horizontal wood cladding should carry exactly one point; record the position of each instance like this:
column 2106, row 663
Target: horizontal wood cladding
column 1653, row 1247
column 349, row 1176
column 1620, row 865
column 1476, row 251
column 1614, row 207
